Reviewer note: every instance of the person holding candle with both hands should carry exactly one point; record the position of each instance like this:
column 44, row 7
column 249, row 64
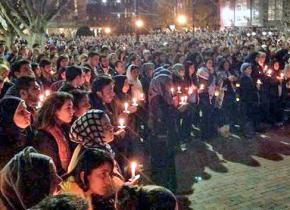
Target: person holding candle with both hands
column 164, row 137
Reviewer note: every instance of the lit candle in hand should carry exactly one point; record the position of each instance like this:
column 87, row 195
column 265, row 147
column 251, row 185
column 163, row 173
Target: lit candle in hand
column 41, row 97
column 133, row 166
column 142, row 98
column 190, row 90
column 238, row 85
column 259, row 82
column 121, row 123
column 216, row 93
column 201, row 87
column 47, row 93
column 134, row 102
column 178, row 89
column 126, row 105
column 172, row 90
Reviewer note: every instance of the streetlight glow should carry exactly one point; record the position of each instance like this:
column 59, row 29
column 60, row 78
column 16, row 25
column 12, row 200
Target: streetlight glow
column 139, row 23
column 107, row 30
column 181, row 19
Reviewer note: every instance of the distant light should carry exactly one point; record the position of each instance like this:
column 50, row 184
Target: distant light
column 270, row 33
column 248, row 34
column 139, row 23
column 118, row 1
column 104, row 1
column 172, row 27
column 254, row 34
column 118, row 15
column 181, row 19
column 264, row 33
column 107, row 30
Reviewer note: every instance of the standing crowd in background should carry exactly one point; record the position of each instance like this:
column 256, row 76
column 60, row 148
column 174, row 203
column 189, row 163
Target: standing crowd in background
column 79, row 116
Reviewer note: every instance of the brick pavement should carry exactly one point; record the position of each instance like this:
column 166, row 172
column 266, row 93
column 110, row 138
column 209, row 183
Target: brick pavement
column 237, row 173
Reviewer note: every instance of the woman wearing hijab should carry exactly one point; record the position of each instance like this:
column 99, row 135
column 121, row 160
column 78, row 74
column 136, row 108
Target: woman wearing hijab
column 15, row 130
column 178, row 77
column 164, row 132
column 52, row 122
column 27, row 179
column 135, row 83
column 92, row 130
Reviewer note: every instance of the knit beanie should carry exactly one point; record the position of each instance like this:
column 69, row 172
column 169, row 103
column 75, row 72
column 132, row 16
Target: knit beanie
column 245, row 66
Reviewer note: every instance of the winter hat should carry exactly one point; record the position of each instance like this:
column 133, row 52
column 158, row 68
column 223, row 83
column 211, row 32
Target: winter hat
column 203, row 73
column 8, row 106
column 245, row 66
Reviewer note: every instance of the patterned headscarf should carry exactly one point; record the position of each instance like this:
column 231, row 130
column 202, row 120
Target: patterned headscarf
column 158, row 87
column 88, row 131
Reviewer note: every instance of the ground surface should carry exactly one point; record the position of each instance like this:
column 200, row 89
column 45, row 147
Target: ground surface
column 236, row 173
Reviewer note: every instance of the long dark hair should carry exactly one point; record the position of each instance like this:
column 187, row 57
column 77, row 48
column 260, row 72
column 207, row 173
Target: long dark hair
column 88, row 160
column 46, row 114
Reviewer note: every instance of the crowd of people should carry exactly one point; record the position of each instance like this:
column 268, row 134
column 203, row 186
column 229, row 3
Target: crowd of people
column 77, row 116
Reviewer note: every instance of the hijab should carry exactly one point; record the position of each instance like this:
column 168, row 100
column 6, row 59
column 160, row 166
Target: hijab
column 25, row 180
column 8, row 107
column 158, row 88
column 136, row 86
column 88, row 131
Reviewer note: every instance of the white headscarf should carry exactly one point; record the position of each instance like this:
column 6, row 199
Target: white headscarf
column 136, row 86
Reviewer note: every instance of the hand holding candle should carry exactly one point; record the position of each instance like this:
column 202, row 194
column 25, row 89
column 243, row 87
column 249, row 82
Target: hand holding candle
column 134, row 102
column 172, row 90
column 47, row 93
column 126, row 105
column 121, row 123
column 133, row 167
column 178, row 89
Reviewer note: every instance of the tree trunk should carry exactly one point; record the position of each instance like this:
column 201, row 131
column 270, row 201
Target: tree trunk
column 36, row 38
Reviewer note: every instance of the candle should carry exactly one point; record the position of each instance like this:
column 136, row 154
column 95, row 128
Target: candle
column 172, row 90
column 282, row 76
column 41, row 97
column 201, row 87
column 133, row 169
column 178, row 89
column 52, row 72
column 190, row 91
column 269, row 73
column 39, row 104
column 121, row 123
column 126, row 105
column 216, row 93
column 134, row 102
column 183, row 100
column 237, row 99
column 259, row 82
column 238, row 85
column 47, row 93
column 142, row 97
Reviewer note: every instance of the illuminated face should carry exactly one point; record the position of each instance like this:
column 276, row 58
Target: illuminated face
column 65, row 113
column 100, row 180
column 107, row 93
column 108, row 129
